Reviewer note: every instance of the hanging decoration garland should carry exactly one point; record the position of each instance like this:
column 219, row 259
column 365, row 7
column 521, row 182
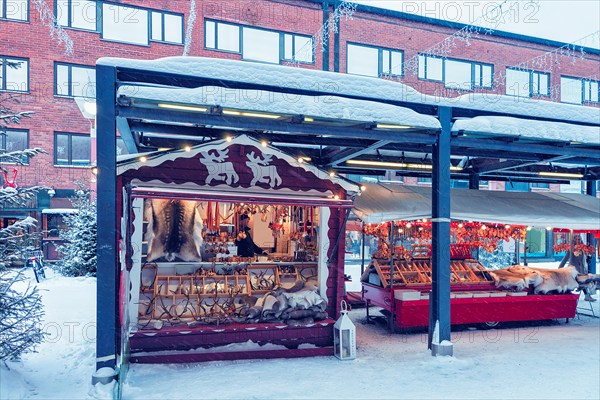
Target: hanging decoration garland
column 472, row 234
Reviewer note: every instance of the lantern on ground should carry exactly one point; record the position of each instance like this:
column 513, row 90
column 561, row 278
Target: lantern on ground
column 344, row 336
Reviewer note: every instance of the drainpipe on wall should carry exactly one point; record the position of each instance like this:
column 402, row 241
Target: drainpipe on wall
column 325, row 7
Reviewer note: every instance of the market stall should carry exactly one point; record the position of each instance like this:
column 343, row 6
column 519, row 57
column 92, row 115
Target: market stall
column 399, row 277
column 229, row 251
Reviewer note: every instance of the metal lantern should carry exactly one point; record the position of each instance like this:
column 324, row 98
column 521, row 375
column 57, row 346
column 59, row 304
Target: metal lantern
column 344, row 336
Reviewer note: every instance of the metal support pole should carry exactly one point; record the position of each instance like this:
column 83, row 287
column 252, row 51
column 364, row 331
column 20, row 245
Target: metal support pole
column 392, row 298
column 474, row 181
column 591, row 189
column 106, row 252
column 439, row 317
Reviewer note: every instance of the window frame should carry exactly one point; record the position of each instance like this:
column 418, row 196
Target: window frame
column 70, row 78
column 380, row 50
column 3, row 138
column 70, row 19
column 4, row 67
column 100, row 22
column 576, row 78
column 531, row 73
column 583, row 96
column 258, row 28
column 474, row 81
column 240, row 52
column 425, row 57
column 3, row 16
column 282, row 48
column 216, row 35
column 70, row 149
column 162, row 21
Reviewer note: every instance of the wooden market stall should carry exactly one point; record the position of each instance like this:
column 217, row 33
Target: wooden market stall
column 188, row 295
column 399, row 277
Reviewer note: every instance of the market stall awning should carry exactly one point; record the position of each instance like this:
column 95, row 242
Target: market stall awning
column 383, row 202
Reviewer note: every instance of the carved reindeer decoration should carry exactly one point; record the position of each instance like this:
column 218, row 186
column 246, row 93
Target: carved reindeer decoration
column 217, row 168
column 262, row 171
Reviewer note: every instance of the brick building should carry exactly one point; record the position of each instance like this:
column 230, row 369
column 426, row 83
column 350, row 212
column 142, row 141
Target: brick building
column 57, row 64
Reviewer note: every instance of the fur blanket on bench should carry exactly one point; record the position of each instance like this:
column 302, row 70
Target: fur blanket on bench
column 562, row 280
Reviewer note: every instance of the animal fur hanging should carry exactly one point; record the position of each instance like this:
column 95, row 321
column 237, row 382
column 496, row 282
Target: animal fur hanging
column 174, row 230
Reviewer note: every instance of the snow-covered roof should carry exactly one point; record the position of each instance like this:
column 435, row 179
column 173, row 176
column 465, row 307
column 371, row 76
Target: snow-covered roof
column 59, row 211
column 382, row 202
column 325, row 107
column 530, row 129
column 352, row 85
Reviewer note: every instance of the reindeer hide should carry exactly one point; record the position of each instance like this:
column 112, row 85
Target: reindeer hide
column 518, row 277
column 174, row 230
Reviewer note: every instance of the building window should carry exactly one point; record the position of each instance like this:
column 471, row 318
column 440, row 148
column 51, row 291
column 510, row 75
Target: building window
column 527, row 83
column 539, row 185
column 590, row 91
column 570, row 90
column 540, row 83
column 373, row 61
column 424, row 181
column 15, row 10
column 431, row 68
column 74, row 80
column 167, row 27
column 125, row 24
column 71, row 149
column 14, row 74
column 80, row 14
column 298, row 48
column 260, row 45
column 14, row 140
column 221, row 36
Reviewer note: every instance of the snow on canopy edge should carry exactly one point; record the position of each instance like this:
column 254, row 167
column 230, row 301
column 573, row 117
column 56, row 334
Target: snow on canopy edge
column 328, row 107
column 352, row 85
column 131, row 162
column 530, row 129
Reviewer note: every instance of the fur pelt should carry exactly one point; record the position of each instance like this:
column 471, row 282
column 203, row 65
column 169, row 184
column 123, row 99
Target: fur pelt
column 518, row 277
column 174, row 230
column 299, row 302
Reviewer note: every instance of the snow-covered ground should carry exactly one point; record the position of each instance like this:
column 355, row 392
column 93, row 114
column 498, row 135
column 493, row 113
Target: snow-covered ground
column 552, row 360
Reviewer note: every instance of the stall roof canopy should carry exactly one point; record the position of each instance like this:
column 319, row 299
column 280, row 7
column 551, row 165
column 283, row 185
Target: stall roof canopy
column 384, row 202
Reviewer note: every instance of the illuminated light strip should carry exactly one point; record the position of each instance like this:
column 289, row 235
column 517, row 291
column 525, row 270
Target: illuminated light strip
column 560, row 174
column 396, row 165
column 390, row 126
column 250, row 114
column 180, row 107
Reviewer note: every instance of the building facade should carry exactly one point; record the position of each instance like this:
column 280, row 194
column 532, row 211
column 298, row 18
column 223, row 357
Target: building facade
column 48, row 50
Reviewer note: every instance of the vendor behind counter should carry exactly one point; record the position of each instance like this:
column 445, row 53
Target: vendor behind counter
column 245, row 244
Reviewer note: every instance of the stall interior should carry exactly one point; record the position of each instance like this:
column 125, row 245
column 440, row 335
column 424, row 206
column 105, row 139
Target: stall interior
column 214, row 262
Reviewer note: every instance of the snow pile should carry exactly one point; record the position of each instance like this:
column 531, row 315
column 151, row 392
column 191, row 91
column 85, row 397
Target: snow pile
column 548, row 361
column 346, row 85
column 529, row 128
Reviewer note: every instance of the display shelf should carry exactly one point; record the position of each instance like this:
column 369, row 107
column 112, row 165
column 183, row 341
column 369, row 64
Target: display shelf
column 417, row 272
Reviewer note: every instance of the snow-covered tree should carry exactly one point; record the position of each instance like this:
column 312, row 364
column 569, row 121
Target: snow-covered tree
column 20, row 303
column 79, row 251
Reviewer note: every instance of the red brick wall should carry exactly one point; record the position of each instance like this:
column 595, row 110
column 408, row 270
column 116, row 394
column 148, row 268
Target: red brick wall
column 32, row 40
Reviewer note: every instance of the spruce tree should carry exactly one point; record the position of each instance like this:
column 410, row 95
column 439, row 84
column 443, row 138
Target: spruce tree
column 20, row 303
column 78, row 254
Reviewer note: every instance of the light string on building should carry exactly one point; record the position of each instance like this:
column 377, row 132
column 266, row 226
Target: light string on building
column 190, row 28
column 345, row 9
column 49, row 19
column 547, row 62
column 492, row 18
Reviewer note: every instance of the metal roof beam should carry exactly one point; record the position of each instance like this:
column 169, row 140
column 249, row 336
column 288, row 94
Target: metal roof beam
column 273, row 125
column 348, row 154
column 522, row 147
column 512, row 164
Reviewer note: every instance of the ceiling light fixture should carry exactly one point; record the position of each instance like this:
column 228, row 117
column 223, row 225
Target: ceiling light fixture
column 182, row 107
column 560, row 174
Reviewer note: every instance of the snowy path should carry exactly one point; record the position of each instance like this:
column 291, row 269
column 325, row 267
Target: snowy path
column 556, row 360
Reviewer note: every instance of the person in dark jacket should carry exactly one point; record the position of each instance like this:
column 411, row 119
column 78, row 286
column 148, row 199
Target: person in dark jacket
column 577, row 258
column 245, row 244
